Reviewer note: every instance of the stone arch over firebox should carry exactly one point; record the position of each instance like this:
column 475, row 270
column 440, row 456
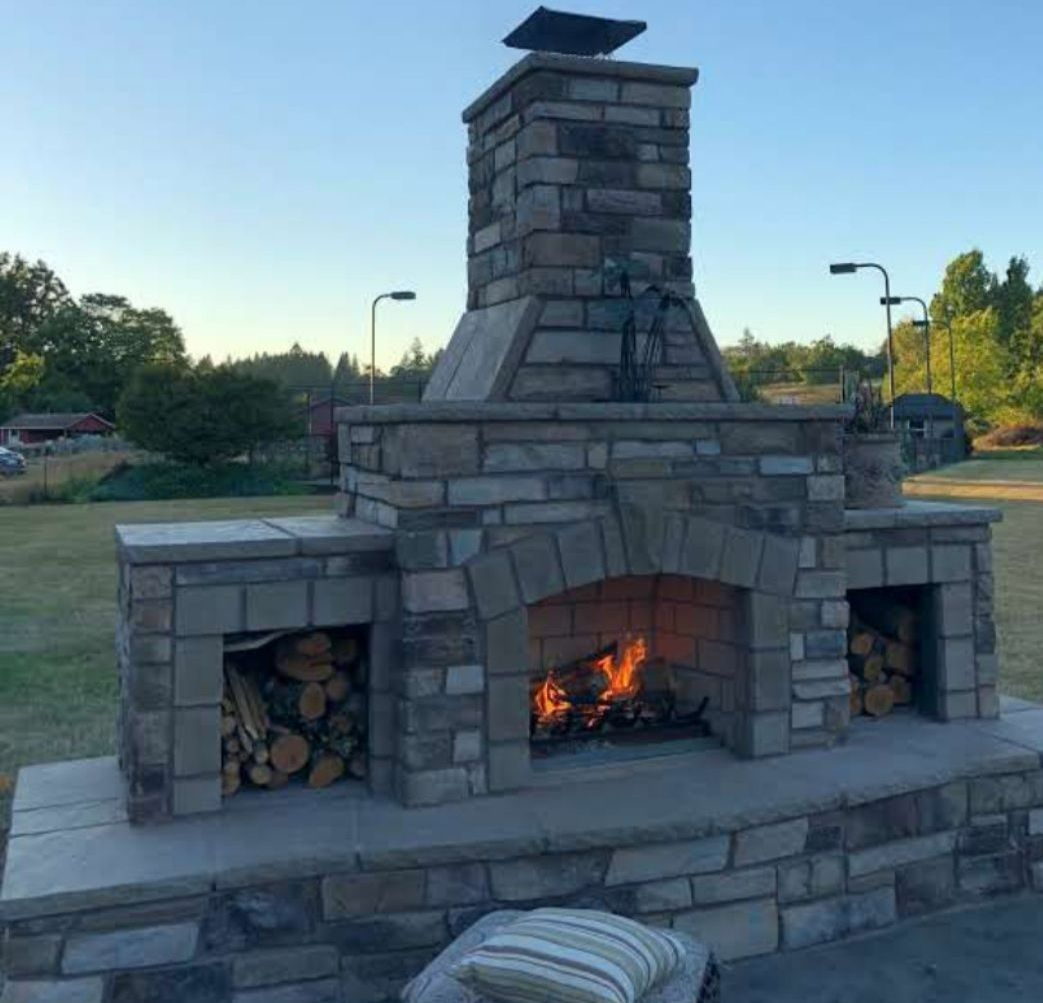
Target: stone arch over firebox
column 633, row 540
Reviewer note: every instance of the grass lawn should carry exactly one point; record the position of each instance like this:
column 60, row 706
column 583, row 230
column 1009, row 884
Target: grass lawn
column 57, row 619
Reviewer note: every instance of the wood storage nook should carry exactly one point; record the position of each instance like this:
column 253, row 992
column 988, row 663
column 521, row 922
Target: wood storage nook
column 294, row 709
column 883, row 650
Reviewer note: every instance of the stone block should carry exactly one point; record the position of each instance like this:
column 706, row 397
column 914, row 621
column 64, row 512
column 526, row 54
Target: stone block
column 941, row 808
column 277, row 605
column 582, row 559
column 150, row 687
column 821, row 584
column 198, row 675
column 785, row 466
column 510, row 457
column 826, row 487
column 770, row 842
column 435, row 591
column 778, row 570
column 424, row 549
column 741, row 559
column 703, row 549
column 89, row 990
column 463, row 545
column 660, row 95
column 215, row 609
column 437, row 451
column 508, row 765
column 766, row 621
column 507, row 712
column 956, row 669
column 197, row 744
column 951, row 563
column 390, row 932
column 154, row 649
column 457, row 884
column 664, row 176
column 506, row 644
column 991, row 875
column 649, row 233
column 667, row 860
column 467, row 746
column 731, row 886
column 151, row 616
column 765, row 733
column 544, row 170
column 496, row 490
column 338, row 602
column 460, row 679
column 808, row 715
column 769, row 679
column 287, row 964
column 193, row 795
column 956, row 705
column 566, row 250
column 881, row 821
column 906, row 565
column 151, row 581
column 955, row 609
column 811, row 878
column 345, row 895
column 985, row 834
column 899, row 853
column 865, row 569
column 832, row 919
column 492, row 580
column 538, row 567
column 740, row 930
column 662, row 896
column 429, row 787
column 925, row 886
column 551, row 876
column 121, row 949
column 37, row 955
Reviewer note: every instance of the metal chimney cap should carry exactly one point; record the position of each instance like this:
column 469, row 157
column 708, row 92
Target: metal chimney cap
column 547, row 30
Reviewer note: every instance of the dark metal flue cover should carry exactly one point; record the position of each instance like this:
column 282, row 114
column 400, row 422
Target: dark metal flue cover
column 574, row 34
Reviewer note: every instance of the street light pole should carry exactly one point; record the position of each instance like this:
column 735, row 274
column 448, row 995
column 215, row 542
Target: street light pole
column 398, row 294
column 847, row 267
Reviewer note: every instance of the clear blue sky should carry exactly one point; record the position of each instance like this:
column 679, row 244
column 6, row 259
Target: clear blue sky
column 261, row 168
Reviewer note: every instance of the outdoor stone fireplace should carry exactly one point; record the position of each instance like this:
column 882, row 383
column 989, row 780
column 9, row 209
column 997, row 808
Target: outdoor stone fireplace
column 536, row 580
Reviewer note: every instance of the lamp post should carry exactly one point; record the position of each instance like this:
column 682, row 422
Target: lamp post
column 398, row 294
column 847, row 268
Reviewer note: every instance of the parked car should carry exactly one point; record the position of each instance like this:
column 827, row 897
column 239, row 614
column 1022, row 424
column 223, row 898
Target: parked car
column 11, row 463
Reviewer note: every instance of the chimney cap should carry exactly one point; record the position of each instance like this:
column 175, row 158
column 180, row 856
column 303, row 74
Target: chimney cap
column 548, row 30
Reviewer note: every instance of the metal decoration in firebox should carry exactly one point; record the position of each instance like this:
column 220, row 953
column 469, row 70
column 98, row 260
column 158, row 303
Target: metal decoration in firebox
column 636, row 376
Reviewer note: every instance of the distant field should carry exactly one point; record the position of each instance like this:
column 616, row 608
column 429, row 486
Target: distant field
column 800, row 393
column 1012, row 475
column 51, row 471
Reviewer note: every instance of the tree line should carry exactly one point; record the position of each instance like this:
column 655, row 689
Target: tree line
column 996, row 321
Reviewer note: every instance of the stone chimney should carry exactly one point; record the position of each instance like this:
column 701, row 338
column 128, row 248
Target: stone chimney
column 578, row 175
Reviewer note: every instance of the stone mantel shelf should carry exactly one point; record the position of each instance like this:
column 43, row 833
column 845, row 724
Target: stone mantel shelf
column 481, row 411
column 676, row 76
column 232, row 539
column 71, row 849
column 919, row 514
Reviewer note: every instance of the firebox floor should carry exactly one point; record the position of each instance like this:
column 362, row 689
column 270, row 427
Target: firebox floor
column 71, row 847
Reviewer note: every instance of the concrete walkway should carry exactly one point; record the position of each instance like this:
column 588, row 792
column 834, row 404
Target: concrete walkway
column 987, row 954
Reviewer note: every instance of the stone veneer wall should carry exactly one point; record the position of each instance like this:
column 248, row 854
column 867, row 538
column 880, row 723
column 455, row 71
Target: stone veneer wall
column 577, row 172
column 354, row 936
column 952, row 557
column 498, row 506
column 182, row 588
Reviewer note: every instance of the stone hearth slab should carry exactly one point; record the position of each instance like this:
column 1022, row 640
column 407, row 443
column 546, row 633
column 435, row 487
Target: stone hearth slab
column 920, row 513
column 82, row 866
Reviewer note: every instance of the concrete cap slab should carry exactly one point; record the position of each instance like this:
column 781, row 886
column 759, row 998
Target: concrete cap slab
column 920, row 513
column 330, row 534
column 153, row 543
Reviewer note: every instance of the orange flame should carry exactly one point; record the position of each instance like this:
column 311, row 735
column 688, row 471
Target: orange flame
column 622, row 682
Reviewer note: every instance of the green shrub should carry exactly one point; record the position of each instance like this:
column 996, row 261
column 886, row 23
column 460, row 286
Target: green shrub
column 156, row 481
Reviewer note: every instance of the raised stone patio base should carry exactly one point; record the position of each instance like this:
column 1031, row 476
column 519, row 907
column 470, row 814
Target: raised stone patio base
column 337, row 896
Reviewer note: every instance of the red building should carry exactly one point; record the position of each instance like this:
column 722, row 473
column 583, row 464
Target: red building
column 28, row 429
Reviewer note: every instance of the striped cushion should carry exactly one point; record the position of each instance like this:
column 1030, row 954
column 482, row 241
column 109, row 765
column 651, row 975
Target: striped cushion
column 571, row 956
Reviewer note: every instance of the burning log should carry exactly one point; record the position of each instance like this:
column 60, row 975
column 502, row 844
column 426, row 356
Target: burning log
column 296, row 707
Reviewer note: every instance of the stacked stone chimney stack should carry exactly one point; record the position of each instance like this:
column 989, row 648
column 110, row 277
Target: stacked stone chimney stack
column 578, row 176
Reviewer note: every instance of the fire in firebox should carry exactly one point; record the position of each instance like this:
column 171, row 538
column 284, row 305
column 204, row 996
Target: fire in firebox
column 615, row 689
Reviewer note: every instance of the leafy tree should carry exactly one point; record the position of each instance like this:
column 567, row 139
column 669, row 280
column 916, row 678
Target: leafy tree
column 203, row 416
column 967, row 287
column 29, row 294
column 415, row 363
column 295, row 368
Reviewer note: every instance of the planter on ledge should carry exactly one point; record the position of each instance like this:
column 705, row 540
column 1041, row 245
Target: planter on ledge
column 872, row 470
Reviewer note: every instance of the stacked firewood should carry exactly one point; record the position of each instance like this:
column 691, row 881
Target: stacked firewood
column 882, row 657
column 304, row 714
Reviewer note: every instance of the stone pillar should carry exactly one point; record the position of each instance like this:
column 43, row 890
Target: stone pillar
column 578, row 173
